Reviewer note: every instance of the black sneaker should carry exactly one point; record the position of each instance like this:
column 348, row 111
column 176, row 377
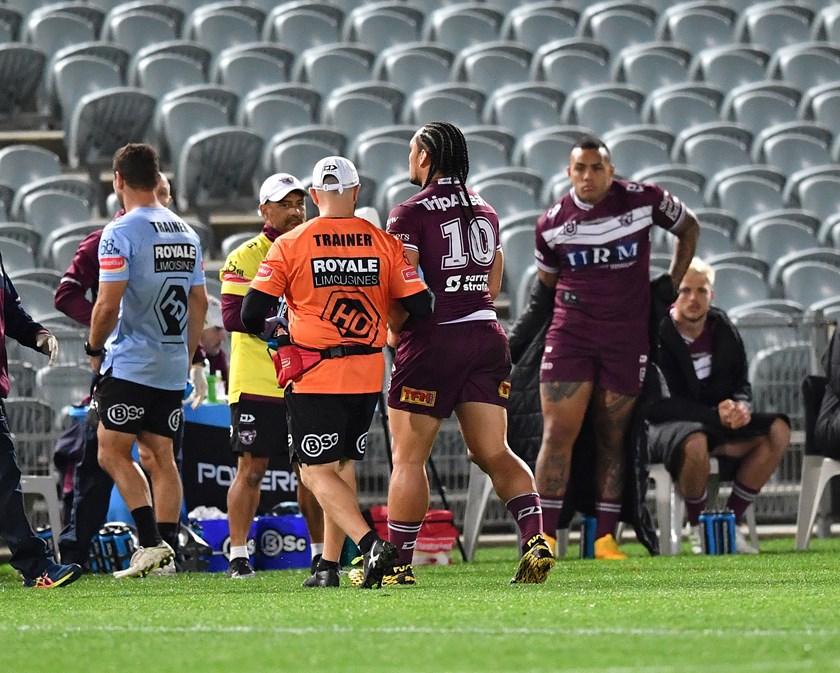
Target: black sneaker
column 56, row 575
column 376, row 562
column 313, row 567
column 240, row 570
column 536, row 562
column 323, row 578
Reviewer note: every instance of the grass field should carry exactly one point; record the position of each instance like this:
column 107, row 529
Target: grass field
column 752, row 614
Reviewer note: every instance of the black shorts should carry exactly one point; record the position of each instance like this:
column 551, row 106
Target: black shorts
column 133, row 408
column 259, row 428
column 665, row 441
column 326, row 428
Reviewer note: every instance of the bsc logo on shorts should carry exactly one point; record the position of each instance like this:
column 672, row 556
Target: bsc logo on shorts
column 314, row 445
column 120, row 414
column 174, row 421
column 361, row 444
column 425, row 398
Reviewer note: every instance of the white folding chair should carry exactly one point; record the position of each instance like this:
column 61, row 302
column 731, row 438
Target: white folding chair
column 817, row 471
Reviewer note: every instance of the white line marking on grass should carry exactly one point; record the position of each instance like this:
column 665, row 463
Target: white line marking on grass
column 431, row 630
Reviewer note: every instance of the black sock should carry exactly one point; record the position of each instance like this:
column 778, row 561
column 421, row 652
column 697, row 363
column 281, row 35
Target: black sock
column 367, row 541
column 323, row 564
column 147, row 530
column 169, row 533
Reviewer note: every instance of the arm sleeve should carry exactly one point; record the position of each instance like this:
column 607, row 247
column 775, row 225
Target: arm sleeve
column 668, row 210
column 420, row 304
column 255, row 307
column 82, row 275
column 232, row 312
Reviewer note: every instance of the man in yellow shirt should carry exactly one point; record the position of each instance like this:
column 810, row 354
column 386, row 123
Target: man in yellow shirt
column 258, row 411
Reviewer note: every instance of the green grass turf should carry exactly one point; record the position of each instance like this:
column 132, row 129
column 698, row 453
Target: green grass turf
column 774, row 612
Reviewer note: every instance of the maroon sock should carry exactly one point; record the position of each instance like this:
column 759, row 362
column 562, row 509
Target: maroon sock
column 527, row 512
column 694, row 507
column 403, row 535
column 740, row 498
column 607, row 512
column 552, row 506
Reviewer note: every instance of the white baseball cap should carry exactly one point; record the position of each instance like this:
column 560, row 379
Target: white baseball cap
column 213, row 317
column 277, row 186
column 340, row 168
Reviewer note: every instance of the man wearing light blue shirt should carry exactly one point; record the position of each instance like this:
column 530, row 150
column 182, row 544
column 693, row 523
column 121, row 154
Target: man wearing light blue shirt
column 147, row 319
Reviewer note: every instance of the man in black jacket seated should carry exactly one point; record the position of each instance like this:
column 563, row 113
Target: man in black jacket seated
column 704, row 363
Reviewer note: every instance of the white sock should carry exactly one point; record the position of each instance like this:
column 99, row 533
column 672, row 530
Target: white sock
column 239, row 552
column 316, row 548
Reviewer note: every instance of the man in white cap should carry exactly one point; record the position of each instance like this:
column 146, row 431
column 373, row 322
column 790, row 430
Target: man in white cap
column 212, row 338
column 340, row 275
column 258, row 412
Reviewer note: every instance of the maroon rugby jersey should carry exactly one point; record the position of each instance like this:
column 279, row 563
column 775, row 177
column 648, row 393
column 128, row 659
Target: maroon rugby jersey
column 455, row 255
column 601, row 253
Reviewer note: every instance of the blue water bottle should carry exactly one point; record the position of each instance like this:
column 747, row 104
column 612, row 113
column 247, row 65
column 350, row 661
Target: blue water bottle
column 727, row 518
column 706, row 524
column 588, row 528
column 109, row 549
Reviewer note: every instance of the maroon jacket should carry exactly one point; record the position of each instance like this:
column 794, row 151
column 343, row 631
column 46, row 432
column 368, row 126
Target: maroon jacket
column 81, row 276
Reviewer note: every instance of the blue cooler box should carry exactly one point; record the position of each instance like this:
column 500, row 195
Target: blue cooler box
column 282, row 542
column 216, row 533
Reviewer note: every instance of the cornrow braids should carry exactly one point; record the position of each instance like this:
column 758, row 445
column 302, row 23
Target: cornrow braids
column 448, row 154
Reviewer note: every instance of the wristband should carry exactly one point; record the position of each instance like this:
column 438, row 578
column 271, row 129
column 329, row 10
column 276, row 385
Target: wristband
column 93, row 352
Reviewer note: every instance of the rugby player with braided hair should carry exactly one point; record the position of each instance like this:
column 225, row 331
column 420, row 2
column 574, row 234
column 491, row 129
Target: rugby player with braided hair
column 458, row 358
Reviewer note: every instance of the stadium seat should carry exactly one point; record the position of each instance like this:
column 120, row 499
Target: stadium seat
column 736, row 284
column 697, row 25
column 816, row 190
column 21, row 70
column 489, row 147
column 462, row 25
column 360, row 107
column 635, row 148
column 76, row 76
column 67, row 183
column 604, row 107
column 682, row 106
column 178, row 119
column 77, row 230
column 393, row 191
column 730, row 65
column 247, row 67
column 522, row 291
column 555, row 188
column 793, row 146
column 22, row 233
column 51, row 31
column 618, row 23
column 742, row 258
column 817, row 471
column 521, row 108
column 62, row 386
column 414, row 66
column 383, row 24
column 191, row 50
column 714, row 240
column 806, row 64
column 138, row 28
column 219, row 25
column 103, row 122
column 776, row 238
column 23, row 163
column 270, row 110
column 719, row 217
column 546, row 150
column 492, row 65
column 826, row 25
column 684, row 182
column 215, row 169
column 766, row 308
column 761, row 104
column 169, row 11
column 230, row 243
column 774, row 24
column 331, row 66
column 713, row 147
column 652, row 65
column 521, row 219
column 10, row 22
column 159, row 74
column 822, row 255
column 215, row 93
column 297, row 150
column 510, row 191
column 571, row 64
column 303, row 25
column 797, row 215
column 809, row 281
column 382, row 153
column 17, row 256
column 539, row 22
column 460, row 103
column 21, row 378
column 518, row 244
column 38, row 300
column 770, row 372
column 746, row 191
column 822, row 105
column 49, row 209
column 31, row 422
